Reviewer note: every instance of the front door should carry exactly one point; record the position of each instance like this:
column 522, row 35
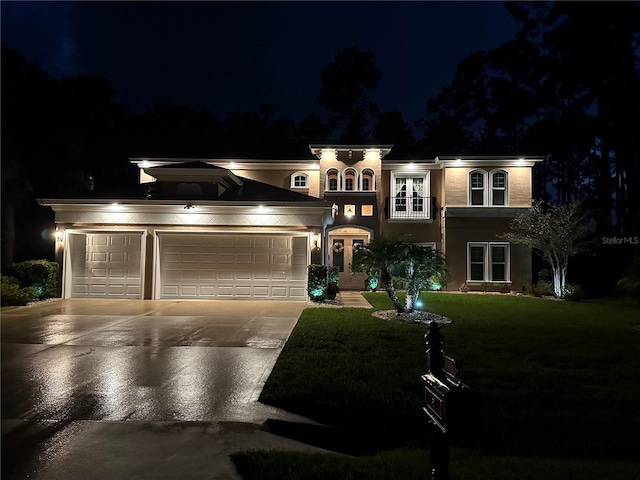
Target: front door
column 341, row 256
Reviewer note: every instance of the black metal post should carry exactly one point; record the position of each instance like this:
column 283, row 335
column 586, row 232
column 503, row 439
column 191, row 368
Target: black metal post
column 434, row 340
column 439, row 455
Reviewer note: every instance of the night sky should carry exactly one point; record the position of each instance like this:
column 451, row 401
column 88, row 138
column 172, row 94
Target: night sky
column 237, row 56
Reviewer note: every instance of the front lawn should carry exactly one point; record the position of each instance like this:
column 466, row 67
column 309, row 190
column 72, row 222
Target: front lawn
column 558, row 379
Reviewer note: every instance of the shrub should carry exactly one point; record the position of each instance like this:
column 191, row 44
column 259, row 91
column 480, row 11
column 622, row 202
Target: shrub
column 42, row 275
column 542, row 289
column 317, row 282
column 629, row 285
column 13, row 294
column 574, row 292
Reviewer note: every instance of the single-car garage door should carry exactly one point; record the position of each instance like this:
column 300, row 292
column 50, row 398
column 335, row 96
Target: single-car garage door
column 232, row 266
column 104, row 265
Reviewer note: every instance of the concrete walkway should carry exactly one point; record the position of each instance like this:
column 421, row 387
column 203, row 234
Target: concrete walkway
column 352, row 299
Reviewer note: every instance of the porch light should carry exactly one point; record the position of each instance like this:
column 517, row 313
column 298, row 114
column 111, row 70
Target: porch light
column 116, row 207
column 349, row 210
column 315, row 239
column 189, row 206
column 59, row 234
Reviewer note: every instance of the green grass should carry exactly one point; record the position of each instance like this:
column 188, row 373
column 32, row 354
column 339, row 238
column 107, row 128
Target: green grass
column 558, row 381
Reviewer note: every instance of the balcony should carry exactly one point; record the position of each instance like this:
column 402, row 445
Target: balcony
column 410, row 209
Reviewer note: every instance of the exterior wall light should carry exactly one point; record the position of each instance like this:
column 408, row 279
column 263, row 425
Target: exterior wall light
column 349, row 210
column 189, row 206
column 59, row 235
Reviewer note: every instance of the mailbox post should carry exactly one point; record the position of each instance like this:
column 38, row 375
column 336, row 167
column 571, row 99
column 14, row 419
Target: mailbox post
column 453, row 409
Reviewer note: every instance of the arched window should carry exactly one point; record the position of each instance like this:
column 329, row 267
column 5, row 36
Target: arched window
column 299, row 180
column 350, row 179
column 367, row 179
column 333, row 180
column 477, row 187
column 499, row 187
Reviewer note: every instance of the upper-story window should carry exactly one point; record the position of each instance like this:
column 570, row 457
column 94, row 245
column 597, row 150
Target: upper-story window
column 498, row 187
column 350, row 179
column 333, row 180
column 410, row 196
column 367, row 179
column 477, row 187
column 488, row 188
column 299, row 180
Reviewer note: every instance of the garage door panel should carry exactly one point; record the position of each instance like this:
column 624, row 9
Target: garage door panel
column 240, row 266
column 105, row 264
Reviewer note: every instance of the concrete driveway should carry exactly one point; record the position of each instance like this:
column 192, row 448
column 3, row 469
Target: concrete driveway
column 71, row 368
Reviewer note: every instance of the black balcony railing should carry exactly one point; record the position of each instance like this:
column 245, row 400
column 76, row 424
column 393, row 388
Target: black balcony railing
column 410, row 208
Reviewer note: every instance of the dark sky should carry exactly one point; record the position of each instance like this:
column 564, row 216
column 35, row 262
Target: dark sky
column 236, row 56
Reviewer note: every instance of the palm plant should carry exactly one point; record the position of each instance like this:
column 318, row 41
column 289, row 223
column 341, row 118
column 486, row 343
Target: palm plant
column 382, row 256
column 415, row 266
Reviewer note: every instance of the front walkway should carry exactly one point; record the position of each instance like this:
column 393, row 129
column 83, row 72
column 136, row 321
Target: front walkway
column 350, row 298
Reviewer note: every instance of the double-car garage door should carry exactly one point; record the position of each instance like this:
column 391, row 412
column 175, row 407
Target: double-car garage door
column 190, row 265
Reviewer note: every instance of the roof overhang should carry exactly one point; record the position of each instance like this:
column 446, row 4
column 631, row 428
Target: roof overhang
column 450, row 161
column 317, row 149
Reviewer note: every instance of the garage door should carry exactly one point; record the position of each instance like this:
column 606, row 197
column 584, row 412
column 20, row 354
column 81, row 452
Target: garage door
column 105, row 265
column 232, row 266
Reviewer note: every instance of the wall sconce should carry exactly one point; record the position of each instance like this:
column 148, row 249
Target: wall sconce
column 59, row 235
column 189, row 206
column 315, row 239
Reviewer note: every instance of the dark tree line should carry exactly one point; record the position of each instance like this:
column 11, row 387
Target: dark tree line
column 568, row 87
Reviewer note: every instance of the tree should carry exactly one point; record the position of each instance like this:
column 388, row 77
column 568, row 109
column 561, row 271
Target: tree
column 414, row 265
column 555, row 233
column 421, row 267
column 345, row 82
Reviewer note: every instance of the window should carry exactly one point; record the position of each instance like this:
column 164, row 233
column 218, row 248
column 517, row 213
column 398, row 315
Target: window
column 299, row 180
column 498, row 188
column 349, row 210
column 366, row 210
column 333, row 180
column 477, row 180
column 488, row 262
column 367, row 179
column 410, row 196
column 350, row 177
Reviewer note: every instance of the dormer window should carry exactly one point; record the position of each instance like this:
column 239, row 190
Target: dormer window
column 299, row 180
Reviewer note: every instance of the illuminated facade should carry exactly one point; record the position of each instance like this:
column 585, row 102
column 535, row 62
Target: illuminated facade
column 248, row 228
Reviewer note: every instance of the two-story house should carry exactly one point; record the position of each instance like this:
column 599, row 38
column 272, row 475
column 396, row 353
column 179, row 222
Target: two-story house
column 241, row 228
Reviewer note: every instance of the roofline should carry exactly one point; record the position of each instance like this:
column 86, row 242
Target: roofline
column 488, row 160
column 103, row 202
column 316, row 149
